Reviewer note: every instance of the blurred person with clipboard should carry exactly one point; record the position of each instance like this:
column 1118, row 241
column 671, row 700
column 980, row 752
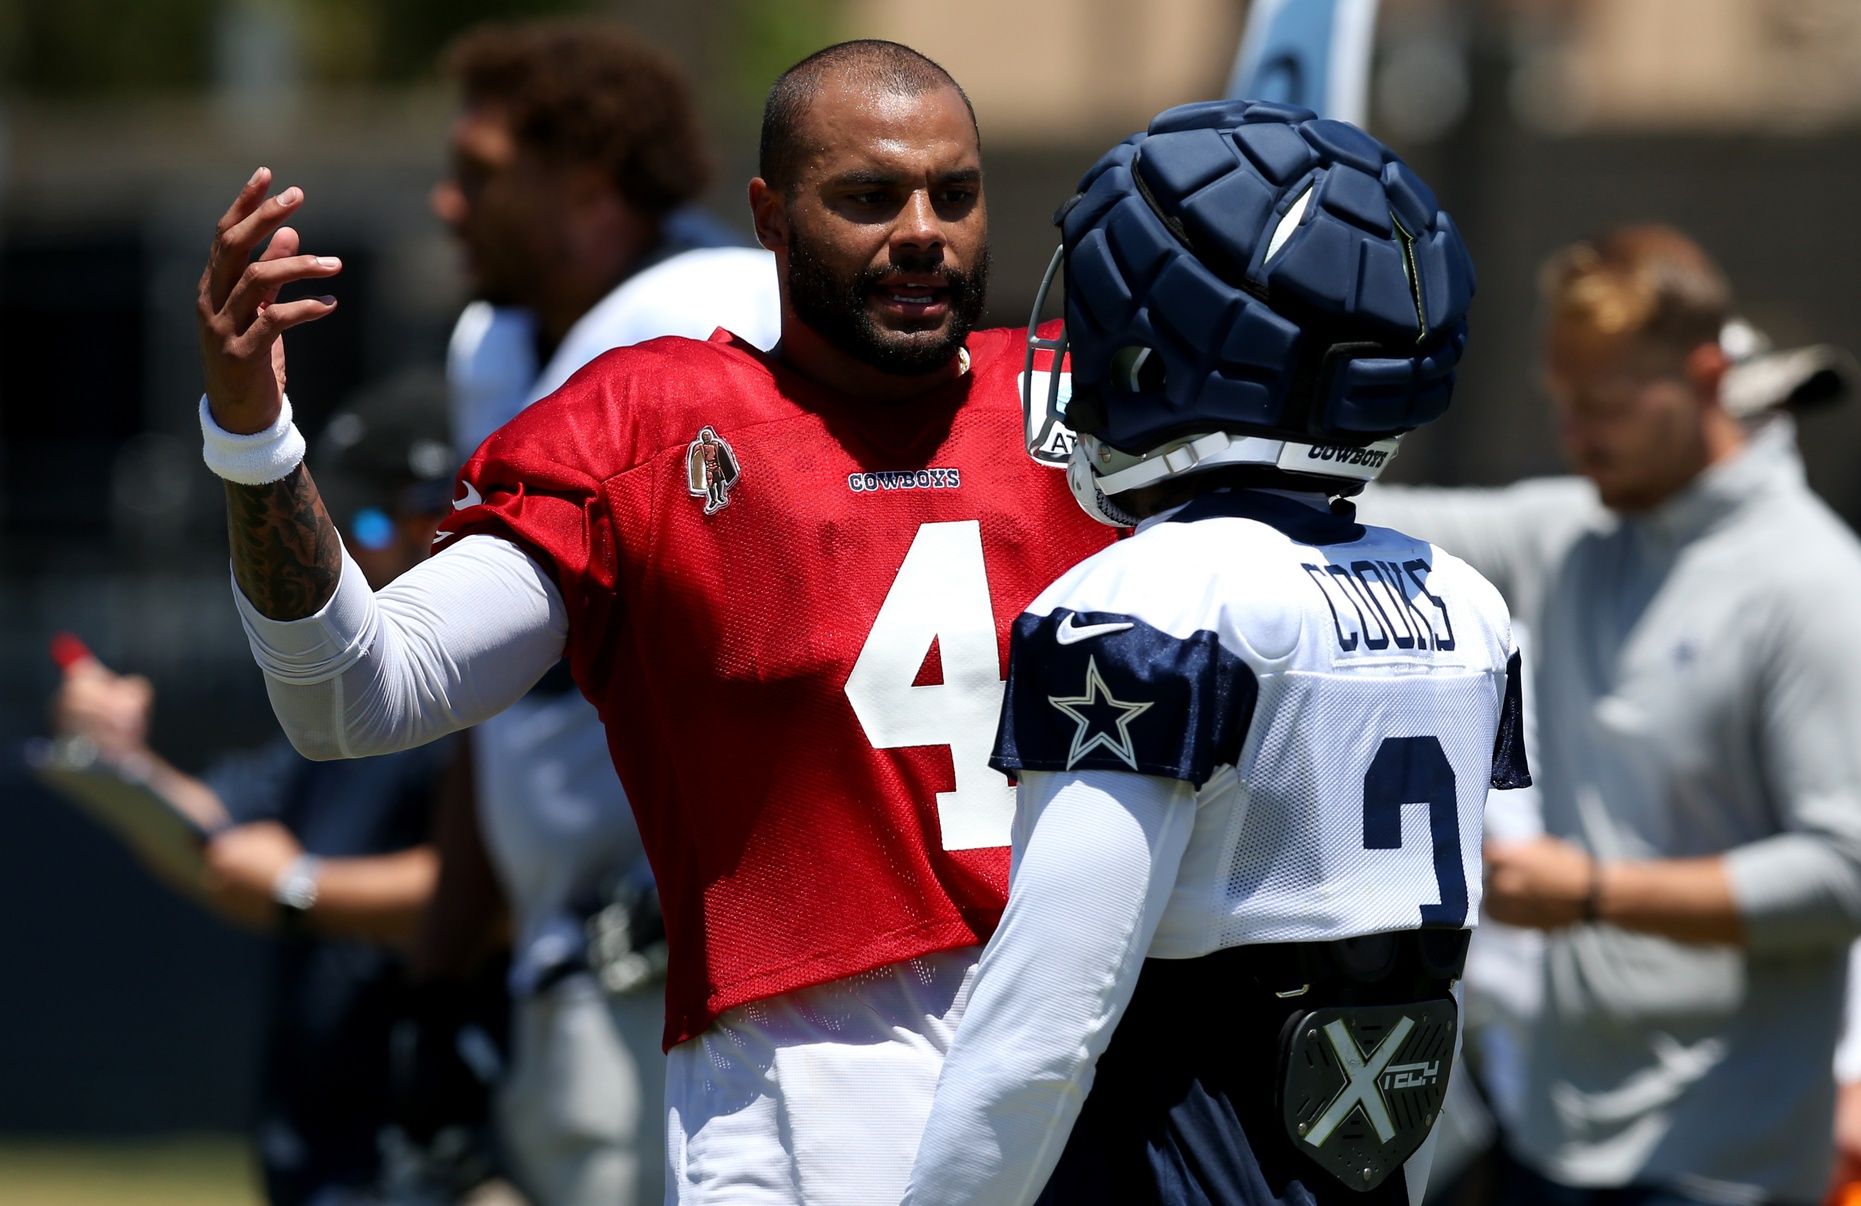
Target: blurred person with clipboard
column 334, row 860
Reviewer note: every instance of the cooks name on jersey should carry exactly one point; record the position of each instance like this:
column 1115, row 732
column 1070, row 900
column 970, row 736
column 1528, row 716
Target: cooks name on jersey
column 904, row 479
column 1379, row 604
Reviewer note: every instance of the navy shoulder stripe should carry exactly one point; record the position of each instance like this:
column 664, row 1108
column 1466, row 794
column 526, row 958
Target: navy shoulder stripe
column 1106, row 691
column 1295, row 520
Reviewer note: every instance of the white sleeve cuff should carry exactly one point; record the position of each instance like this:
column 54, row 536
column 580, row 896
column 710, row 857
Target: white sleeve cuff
column 319, row 646
column 257, row 459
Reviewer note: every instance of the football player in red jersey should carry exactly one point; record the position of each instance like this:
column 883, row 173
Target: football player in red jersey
column 784, row 579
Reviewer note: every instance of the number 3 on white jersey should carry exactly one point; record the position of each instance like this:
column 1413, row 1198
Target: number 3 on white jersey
column 941, row 594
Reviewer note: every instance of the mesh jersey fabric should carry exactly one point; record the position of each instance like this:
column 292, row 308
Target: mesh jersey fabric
column 555, row 819
column 793, row 627
column 1335, row 692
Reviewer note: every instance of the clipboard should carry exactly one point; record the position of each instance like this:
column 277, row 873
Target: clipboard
column 120, row 800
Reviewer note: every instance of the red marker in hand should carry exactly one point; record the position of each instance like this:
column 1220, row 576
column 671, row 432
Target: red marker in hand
column 69, row 651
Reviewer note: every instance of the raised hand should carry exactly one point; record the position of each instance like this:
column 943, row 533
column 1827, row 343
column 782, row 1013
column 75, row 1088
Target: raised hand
column 287, row 556
column 110, row 709
column 237, row 311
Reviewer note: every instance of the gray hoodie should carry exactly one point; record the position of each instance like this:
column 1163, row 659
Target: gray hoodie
column 1698, row 681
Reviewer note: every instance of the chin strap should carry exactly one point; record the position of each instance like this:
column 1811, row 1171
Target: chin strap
column 1350, row 465
column 1173, row 460
column 1091, row 499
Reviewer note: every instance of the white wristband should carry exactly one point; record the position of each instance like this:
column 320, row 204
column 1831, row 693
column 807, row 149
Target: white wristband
column 252, row 460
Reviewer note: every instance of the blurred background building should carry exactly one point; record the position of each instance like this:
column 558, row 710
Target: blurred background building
column 124, row 129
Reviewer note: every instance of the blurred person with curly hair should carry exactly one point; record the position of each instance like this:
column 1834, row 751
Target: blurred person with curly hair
column 576, row 157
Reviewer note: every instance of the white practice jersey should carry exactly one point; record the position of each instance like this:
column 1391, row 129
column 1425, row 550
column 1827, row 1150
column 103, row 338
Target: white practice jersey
column 1340, row 696
column 491, row 363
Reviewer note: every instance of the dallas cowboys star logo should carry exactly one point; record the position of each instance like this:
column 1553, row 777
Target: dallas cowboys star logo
column 1103, row 721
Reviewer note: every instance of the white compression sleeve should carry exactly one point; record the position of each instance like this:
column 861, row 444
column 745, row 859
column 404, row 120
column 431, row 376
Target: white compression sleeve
column 1089, row 889
column 454, row 640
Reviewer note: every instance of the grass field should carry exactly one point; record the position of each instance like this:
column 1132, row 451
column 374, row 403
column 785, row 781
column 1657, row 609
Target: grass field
column 169, row 1172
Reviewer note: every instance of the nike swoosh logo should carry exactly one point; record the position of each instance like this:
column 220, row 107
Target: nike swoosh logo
column 1069, row 633
column 471, row 499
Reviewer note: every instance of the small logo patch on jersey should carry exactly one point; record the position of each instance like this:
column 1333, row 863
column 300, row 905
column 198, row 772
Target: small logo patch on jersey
column 711, row 470
column 1104, row 722
column 1069, row 633
column 1045, row 395
column 941, row 478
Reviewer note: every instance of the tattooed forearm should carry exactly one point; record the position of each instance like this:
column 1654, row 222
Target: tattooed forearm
column 286, row 553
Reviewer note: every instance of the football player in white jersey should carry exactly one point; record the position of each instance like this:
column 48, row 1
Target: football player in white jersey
column 1253, row 741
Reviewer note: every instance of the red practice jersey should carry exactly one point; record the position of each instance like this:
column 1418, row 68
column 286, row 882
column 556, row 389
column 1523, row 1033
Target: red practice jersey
column 791, row 609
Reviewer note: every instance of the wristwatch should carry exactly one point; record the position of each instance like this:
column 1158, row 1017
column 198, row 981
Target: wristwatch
column 295, row 889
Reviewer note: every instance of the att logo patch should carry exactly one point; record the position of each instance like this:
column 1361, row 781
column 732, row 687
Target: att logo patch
column 1044, row 395
column 904, row 479
column 1057, row 447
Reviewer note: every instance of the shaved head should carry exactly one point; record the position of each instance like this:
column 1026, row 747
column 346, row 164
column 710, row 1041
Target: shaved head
column 869, row 66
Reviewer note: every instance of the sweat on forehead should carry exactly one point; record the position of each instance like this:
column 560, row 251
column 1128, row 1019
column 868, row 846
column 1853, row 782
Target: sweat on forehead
column 868, row 65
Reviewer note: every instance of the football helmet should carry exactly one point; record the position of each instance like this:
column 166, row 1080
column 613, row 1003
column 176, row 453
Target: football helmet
column 1248, row 284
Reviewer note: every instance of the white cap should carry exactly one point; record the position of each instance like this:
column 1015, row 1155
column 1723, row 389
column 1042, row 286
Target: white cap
column 1762, row 378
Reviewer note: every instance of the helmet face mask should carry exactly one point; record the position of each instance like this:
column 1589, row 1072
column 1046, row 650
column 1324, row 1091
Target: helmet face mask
column 1045, row 394
column 1250, row 285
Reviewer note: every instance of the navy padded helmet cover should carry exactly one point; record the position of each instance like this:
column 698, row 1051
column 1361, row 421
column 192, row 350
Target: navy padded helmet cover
column 1351, row 333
